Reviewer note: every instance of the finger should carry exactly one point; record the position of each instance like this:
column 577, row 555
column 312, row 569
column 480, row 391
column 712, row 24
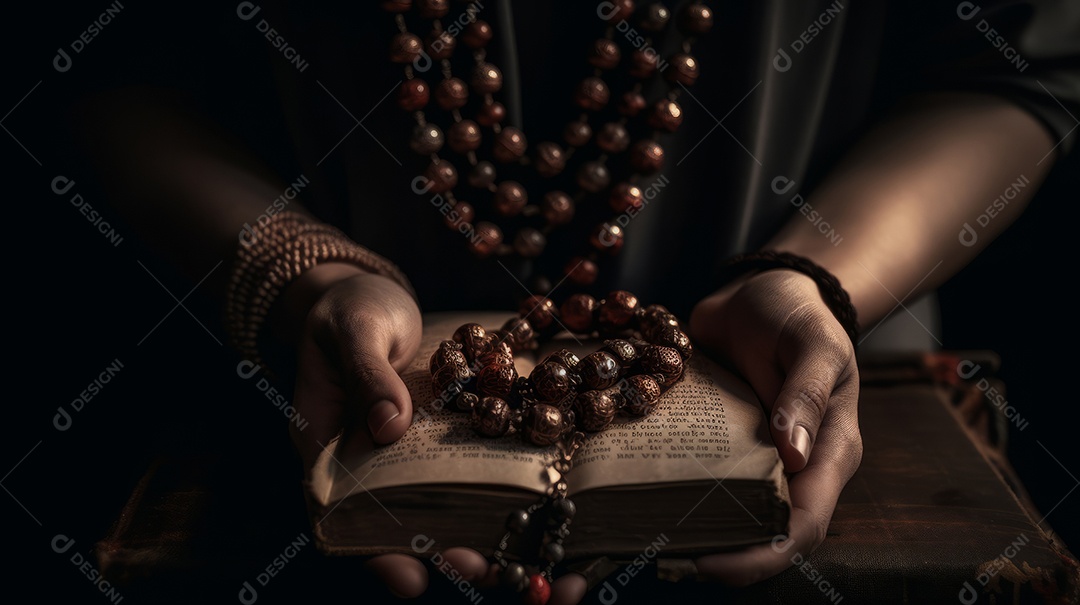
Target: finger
column 568, row 590
column 403, row 575
column 797, row 413
column 319, row 401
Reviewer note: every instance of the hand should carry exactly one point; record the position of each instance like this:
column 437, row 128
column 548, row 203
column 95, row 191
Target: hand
column 782, row 338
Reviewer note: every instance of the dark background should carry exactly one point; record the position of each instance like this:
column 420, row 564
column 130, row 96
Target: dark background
column 77, row 303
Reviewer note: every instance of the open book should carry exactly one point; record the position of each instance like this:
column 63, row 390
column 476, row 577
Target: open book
column 699, row 474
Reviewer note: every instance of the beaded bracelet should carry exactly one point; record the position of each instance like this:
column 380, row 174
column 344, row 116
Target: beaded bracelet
column 273, row 255
column 836, row 298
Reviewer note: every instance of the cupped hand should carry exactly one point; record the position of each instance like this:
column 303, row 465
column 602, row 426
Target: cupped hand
column 780, row 336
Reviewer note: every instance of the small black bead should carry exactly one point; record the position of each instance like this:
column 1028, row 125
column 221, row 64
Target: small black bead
column 518, row 521
column 553, row 551
column 513, row 575
column 565, row 508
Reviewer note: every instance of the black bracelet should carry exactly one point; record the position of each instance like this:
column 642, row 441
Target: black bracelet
column 837, row 299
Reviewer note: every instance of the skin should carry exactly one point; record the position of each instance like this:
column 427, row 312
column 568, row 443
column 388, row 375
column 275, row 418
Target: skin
column 899, row 200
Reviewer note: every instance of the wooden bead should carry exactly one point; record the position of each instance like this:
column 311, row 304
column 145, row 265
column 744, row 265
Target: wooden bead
column 441, row 176
column 543, row 424
column 640, row 394
column 426, row 139
column 487, row 78
column 655, row 17
column 625, row 197
column 613, row 138
column 496, row 380
column 673, row 337
column 631, row 104
column 405, row 48
column 449, row 352
column 492, row 349
column 593, row 177
column 622, row 350
column 450, row 380
column 477, row 34
column 647, row 156
column 451, row 93
column 396, row 6
column 605, row 54
column 482, row 175
column 529, row 242
column 486, row 239
column 491, row 114
column 552, row 383
column 599, row 370
column 539, row 310
column 643, row 64
column 433, row 9
column 663, row 361
column 510, row 198
column 464, row 136
column 594, row 410
column 666, row 115
column 696, row 19
column 617, row 310
column 440, row 45
column 509, row 145
column 577, row 133
column 469, row 336
column 577, row 313
column 465, row 401
column 592, row 94
column 607, row 237
column 550, row 159
column 413, row 95
column 565, row 357
column 557, row 208
column 683, row 69
column 520, row 334
column 491, row 417
column 581, row 271
column 462, row 213
column 621, row 10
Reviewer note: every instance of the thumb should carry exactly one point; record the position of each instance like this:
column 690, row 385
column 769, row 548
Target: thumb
column 375, row 387
column 800, row 407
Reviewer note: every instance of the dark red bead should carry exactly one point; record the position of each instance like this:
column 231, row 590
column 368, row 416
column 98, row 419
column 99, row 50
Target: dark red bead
column 451, row 93
column 625, row 197
column 683, row 69
column 491, row 114
column 482, row 175
column 656, row 17
column 469, row 336
column 696, row 19
column 396, row 6
column 492, row 346
column 491, row 417
column 581, row 271
column 617, row 310
column 464, row 136
column 413, row 95
column 440, row 45
column 510, row 145
column 599, row 370
column 496, row 380
column 621, row 10
column 647, row 156
column 462, row 213
column 592, row 94
column 577, row 133
column 550, row 159
column 487, row 78
column 519, row 334
column 643, row 63
column 538, row 591
column 510, row 198
column 564, row 356
column 543, row 425
column 557, row 208
column 670, row 336
column 426, row 139
column 405, row 48
column 441, row 175
column 593, row 177
column 529, row 242
column 433, row 9
column 449, row 352
column 477, row 34
column 631, row 104
column 664, row 362
column 577, row 313
column 622, row 350
column 607, row 237
column 613, row 138
column 640, row 394
column 539, row 310
column 666, row 115
column 450, row 380
column 485, row 239
column 594, row 410
column 605, row 54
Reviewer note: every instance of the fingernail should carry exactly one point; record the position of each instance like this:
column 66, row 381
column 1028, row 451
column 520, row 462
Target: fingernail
column 380, row 415
column 800, row 440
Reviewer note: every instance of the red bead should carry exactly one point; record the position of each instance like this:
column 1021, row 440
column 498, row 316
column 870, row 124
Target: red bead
column 496, row 380
column 664, row 362
column 539, row 310
column 449, row 352
column 605, row 54
column 607, row 238
column 621, row 10
column 441, row 175
column 434, row 9
column 405, row 48
column 557, row 208
column 631, row 104
column 461, row 214
column 539, row 591
column 599, row 370
column 413, row 95
column 440, row 45
column 550, row 159
column 396, row 6
column 529, row 242
column 696, row 19
column 592, row 94
column 683, row 70
column 451, row 93
column 491, row 418
column 666, row 115
column 426, row 139
column 581, row 271
column 464, row 136
column 491, row 114
column 617, row 310
column 593, row 177
column 595, row 409
column 640, row 393
column 647, row 156
column 577, row 313
column 485, row 239
column 625, row 196
column 552, row 383
column 613, row 138
column 643, row 63
column 487, row 78
column 510, row 198
column 577, row 133
column 510, row 145
column 482, row 175
column 519, row 334
column 542, row 424
column 477, row 34
column 655, row 18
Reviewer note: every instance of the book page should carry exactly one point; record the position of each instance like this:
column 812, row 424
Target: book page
column 440, row 446
column 708, row 426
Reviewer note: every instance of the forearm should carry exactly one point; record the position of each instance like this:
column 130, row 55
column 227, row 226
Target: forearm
column 898, row 201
